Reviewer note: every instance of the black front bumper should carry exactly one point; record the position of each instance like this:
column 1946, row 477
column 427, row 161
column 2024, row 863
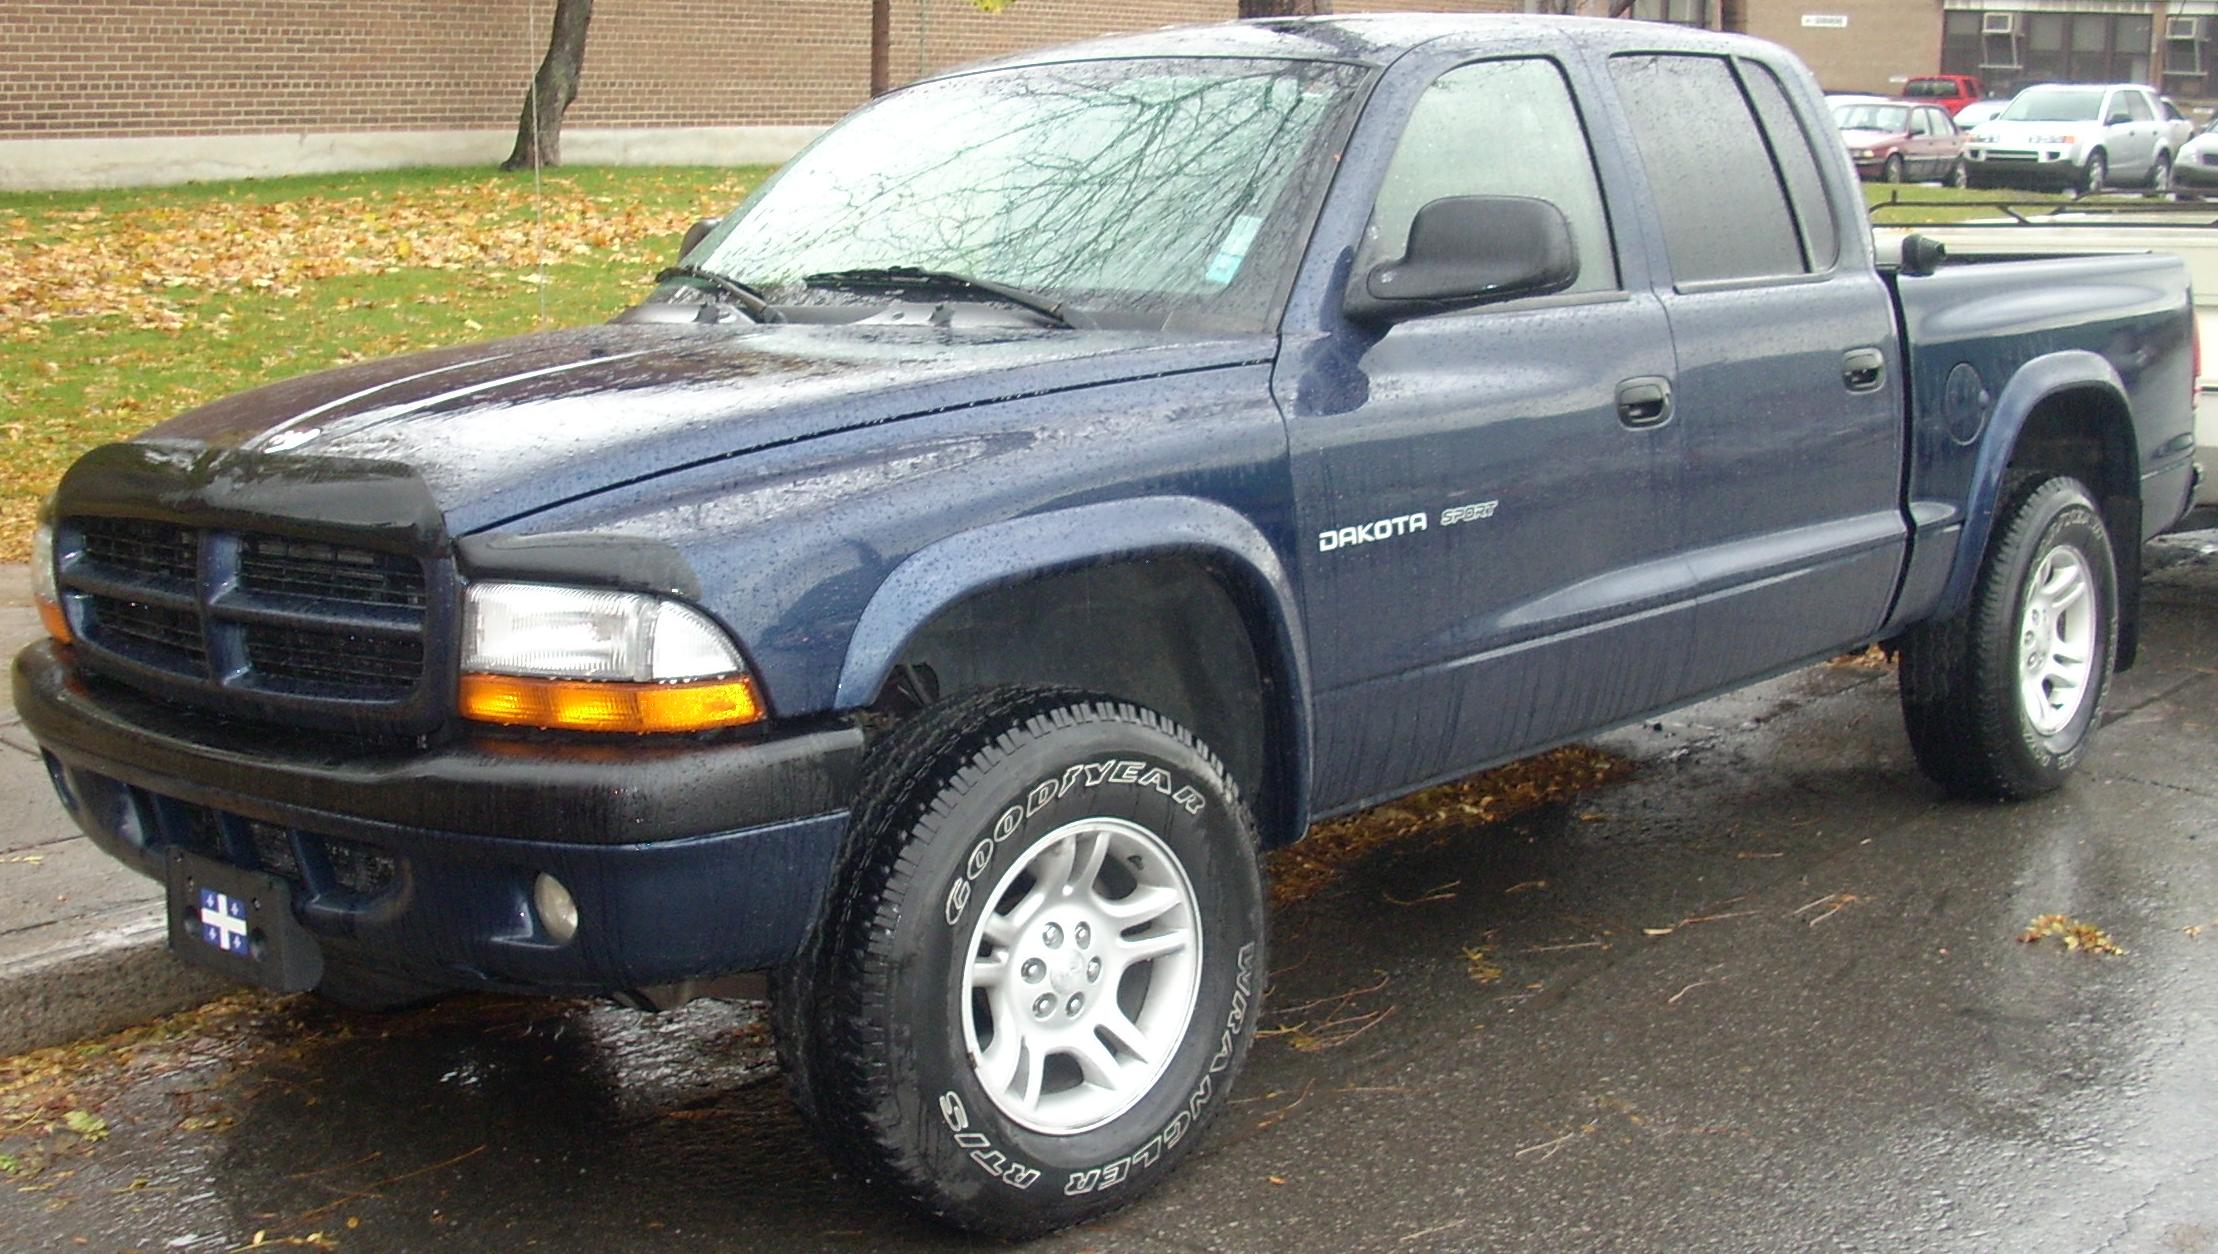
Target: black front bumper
column 687, row 859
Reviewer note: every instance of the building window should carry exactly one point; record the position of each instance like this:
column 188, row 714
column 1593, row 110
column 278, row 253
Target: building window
column 1676, row 12
column 2013, row 50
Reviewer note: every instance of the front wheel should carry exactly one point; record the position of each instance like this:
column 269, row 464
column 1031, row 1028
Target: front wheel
column 1041, row 971
column 2098, row 169
column 1892, row 171
column 2002, row 698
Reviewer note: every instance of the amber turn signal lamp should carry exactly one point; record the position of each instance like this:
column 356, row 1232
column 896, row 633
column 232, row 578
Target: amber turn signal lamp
column 601, row 705
column 57, row 623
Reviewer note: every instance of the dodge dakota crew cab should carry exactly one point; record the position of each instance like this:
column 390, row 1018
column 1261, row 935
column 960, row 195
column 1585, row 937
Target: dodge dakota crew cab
column 1058, row 485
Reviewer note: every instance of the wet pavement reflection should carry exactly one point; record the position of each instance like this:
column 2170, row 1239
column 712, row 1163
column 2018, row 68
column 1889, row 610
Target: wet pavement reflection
column 1767, row 993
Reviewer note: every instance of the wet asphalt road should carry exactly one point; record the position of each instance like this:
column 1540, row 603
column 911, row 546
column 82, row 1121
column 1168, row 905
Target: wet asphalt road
column 1767, row 994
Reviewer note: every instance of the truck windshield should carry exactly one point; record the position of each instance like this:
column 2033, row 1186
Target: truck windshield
column 1139, row 192
column 2055, row 104
column 1923, row 88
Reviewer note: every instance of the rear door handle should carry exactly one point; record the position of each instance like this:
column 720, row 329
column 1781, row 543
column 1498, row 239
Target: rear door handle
column 1863, row 369
column 1644, row 402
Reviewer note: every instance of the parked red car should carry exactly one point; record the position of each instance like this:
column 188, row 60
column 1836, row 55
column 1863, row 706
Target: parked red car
column 1903, row 141
column 1950, row 91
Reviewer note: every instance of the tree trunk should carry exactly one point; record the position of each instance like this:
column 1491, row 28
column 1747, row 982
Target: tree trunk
column 1284, row 8
column 539, row 131
column 881, row 47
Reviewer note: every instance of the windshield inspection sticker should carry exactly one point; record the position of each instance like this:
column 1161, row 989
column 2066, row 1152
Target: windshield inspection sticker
column 1234, row 250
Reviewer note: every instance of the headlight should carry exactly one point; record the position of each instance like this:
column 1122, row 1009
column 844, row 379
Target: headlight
column 591, row 660
column 44, row 594
column 1863, row 154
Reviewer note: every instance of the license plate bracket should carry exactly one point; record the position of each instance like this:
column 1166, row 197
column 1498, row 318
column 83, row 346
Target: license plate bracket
column 239, row 923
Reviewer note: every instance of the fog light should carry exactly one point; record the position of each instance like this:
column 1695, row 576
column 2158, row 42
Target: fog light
column 558, row 911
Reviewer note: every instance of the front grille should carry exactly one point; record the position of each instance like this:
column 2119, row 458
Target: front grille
column 147, row 549
column 276, row 625
column 315, row 865
column 335, row 661
column 153, row 634
column 329, row 572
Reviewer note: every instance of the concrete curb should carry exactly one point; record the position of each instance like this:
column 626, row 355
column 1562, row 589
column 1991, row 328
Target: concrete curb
column 93, row 975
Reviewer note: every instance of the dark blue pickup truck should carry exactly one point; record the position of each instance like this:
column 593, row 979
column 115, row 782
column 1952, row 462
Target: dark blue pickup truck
column 1063, row 482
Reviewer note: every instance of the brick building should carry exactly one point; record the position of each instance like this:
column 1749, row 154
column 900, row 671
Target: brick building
column 99, row 92
column 132, row 91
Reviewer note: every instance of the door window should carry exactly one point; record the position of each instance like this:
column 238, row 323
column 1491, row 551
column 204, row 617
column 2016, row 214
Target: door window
column 1496, row 128
column 1717, row 187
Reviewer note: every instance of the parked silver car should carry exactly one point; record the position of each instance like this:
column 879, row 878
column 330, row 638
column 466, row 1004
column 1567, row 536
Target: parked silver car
column 2197, row 168
column 2081, row 136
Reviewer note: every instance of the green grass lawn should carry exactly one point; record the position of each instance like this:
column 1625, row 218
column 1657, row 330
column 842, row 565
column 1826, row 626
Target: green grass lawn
column 364, row 265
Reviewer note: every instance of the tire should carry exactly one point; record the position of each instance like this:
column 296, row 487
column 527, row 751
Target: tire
column 2098, row 169
column 2160, row 175
column 1959, row 175
column 373, row 992
column 1892, row 171
column 2002, row 699
column 962, row 1036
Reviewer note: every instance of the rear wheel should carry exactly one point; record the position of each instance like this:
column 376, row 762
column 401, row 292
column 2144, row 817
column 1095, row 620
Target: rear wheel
column 1040, row 973
column 2002, row 698
column 2160, row 176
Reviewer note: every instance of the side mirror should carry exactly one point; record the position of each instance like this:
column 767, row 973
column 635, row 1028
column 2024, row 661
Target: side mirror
column 696, row 233
column 1469, row 250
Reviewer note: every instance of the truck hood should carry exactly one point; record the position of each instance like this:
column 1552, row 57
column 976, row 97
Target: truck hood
column 507, row 428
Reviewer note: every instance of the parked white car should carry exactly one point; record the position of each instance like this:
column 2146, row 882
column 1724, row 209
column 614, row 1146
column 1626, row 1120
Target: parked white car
column 1979, row 111
column 2080, row 136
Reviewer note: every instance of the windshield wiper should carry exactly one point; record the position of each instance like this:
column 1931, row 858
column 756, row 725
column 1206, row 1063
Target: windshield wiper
column 749, row 299
column 916, row 276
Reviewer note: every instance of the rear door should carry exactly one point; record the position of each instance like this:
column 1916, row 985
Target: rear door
column 2130, row 132
column 1788, row 380
column 1943, row 143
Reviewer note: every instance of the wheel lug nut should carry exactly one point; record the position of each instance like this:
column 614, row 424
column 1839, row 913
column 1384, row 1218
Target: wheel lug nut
column 1077, row 1003
column 1093, row 968
column 1034, row 969
column 1043, row 1005
column 1083, row 935
column 1051, row 936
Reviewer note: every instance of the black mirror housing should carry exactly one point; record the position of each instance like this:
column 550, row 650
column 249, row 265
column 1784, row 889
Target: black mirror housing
column 1469, row 250
column 696, row 233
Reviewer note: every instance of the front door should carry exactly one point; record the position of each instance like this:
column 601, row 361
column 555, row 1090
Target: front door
column 1486, row 499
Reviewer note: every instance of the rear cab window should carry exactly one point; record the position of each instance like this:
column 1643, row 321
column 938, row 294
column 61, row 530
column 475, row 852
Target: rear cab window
column 1732, row 169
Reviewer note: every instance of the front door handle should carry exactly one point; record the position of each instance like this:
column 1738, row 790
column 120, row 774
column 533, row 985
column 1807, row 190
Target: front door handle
column 1863, row 369
column 1644, row 402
